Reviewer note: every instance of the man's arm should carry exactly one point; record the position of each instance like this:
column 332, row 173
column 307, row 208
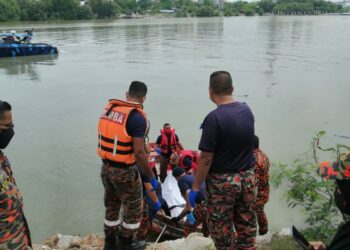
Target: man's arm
column 157, row 144
column 205, row 161
column 141, row 156
column 152, row 194
column 188, row 205
column 179, row 145
column 158, row 141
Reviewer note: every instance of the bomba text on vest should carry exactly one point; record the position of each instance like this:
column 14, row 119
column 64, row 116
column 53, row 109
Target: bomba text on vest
column 114, row 116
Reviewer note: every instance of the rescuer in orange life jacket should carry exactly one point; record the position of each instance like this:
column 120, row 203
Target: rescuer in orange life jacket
column 14, row 231
column 187, row 159
column 166, row 144
column 121, row 144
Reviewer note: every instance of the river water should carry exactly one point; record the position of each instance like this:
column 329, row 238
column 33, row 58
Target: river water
column 292, row 71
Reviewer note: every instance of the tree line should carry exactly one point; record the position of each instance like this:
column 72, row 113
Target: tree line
column 282, row 7
column 23, row 10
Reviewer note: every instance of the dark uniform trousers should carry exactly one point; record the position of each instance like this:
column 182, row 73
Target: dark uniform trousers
column 123, row 189
column 230, row 207
column 261, row 199
column 145, row 225
column 261, row 169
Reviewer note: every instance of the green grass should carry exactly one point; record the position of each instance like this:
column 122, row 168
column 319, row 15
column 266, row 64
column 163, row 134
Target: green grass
column 281, row 243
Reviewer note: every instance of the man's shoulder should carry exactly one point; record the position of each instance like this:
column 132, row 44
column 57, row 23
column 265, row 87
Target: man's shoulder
column 213, row 113
column 187, row 178
column 261, row 158
column 136, row 118
column 185, row 182
column 211, row 116
column 159, row 139
column 137, row 115
column 216, row 113
column 240, row 106
column 136, row 124
column 4, row 159
column 262, row 153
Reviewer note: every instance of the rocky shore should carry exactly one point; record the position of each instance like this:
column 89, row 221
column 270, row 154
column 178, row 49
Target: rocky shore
column 194, row 241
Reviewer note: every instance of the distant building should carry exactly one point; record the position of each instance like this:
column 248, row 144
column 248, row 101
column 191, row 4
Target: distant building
column 344, row 3
column 167, row 11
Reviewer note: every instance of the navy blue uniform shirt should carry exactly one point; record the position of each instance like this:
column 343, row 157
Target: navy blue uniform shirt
column 136, row 124
column 228, row 132
column 185, row 184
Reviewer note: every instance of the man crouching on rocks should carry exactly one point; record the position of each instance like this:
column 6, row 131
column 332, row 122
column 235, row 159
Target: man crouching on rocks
column 14, row 231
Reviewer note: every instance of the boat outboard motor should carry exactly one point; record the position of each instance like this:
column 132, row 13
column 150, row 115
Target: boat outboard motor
column 27, row 35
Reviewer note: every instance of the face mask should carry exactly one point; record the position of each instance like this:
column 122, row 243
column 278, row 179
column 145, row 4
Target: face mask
column 341, row 203
column 5, row 137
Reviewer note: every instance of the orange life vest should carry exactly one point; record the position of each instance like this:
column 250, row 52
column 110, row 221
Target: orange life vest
column 114, row 143
column 165, row 142
column 194, row 155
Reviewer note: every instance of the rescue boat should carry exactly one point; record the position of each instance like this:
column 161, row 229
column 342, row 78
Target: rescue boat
column 14, row 44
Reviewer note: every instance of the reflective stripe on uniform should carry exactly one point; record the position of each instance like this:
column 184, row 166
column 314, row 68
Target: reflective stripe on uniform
column 112, row 223
column 131, row 226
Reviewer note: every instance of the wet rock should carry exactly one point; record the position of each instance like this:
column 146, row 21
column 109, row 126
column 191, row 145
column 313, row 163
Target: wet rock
column 63, row 241
column 52, row 241
column 93, row 240
column 41, row 247
column 68, row 241
column 264, row 239
column 167, row 245
column 75, row 242
column 194, row 241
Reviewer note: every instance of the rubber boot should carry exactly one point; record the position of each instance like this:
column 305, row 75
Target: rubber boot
column 130, row 244
column 110, row 240
column 138, row 245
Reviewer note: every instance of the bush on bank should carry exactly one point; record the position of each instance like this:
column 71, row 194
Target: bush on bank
column 311, row 193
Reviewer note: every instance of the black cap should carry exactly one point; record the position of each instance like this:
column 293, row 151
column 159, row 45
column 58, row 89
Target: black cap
column 178, row 171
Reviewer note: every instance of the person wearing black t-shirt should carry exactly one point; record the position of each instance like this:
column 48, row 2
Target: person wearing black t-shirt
column 226, row 162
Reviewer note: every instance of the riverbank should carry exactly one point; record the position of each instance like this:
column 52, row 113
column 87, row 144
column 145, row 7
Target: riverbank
column 41, row 10
column 195, row 241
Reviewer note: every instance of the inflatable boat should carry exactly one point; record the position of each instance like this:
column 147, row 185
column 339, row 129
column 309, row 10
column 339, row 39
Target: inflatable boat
column 14, row 44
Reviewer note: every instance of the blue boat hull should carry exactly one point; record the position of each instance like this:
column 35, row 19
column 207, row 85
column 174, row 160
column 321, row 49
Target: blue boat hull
column 26, row 49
